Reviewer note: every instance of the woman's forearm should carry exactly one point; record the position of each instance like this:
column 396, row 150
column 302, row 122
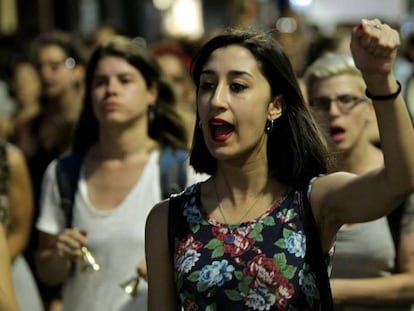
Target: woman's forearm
column 52, row 268
column 7, row 303
column 16, row 244
column 397, row 142
column 393, row 289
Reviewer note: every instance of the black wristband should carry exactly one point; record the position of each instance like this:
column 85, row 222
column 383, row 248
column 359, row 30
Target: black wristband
column 384, row 97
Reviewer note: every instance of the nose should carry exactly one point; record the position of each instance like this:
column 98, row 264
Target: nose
column 333, row 107
column 45, row 72
column 219, row 96
column 112, row 86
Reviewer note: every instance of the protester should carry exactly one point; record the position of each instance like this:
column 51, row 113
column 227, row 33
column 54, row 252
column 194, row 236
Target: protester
column 175, row 63
column 16, row 210
column 365, row 273
column 128, row 122
column 59, row 59
column 240, row 243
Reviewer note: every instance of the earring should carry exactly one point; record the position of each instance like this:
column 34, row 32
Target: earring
column 269, row 126
column 151, row 113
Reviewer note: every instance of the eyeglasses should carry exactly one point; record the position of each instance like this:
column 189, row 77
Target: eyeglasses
column 68, row 63
column 345, row 102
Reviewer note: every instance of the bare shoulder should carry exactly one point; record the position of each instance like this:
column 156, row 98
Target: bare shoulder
column 15, row 156
column 325, row 193
column 158, row 216
column 326, row 184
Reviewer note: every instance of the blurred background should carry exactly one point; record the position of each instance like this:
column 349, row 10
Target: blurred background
column 152, row 19
column 298, row 24
column 21, row 20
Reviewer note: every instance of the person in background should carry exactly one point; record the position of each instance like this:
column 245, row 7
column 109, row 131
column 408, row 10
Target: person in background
column 59, row 59
column 240, row 243
column 25, row 89
column 129, row 118
column 175, row 64
column 365, row 273
column 8, row 301
column 16, row 210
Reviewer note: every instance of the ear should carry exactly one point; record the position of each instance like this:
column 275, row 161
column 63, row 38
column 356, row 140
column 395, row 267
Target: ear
column 370, row 115
column 276, row 107
column 152, row 93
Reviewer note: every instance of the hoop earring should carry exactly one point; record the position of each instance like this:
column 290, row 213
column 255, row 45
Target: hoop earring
column 269, row 126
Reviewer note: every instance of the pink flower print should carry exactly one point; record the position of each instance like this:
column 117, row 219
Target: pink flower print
column 241, row 243
column 284, row 292
column 185, row 245
column 264, row 271
column 266, row 275
column 220, row 232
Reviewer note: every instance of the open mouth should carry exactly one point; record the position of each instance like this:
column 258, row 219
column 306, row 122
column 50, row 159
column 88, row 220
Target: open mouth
column 337, row 133
column 220, row 130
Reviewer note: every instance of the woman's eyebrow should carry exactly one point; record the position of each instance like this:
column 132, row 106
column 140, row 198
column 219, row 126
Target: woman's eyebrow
column 231, row 72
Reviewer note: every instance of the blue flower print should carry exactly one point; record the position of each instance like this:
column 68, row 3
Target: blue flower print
column 216, row 274
column 307, row 281
column 186, row 262
column 192, row 213
column 260, row 299
column 296, row 244
column 286, row 215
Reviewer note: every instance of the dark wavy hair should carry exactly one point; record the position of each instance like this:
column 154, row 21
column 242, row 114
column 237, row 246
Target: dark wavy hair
column 165, row 124
column 296, row 150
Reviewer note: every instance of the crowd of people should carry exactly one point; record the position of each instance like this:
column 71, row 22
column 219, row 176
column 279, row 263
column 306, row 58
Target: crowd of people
column 278, row 165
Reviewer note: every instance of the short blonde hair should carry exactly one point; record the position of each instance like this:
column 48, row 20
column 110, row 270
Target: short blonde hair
column 330, row 65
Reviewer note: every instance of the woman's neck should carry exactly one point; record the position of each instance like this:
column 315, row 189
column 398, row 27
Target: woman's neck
column 123, row 144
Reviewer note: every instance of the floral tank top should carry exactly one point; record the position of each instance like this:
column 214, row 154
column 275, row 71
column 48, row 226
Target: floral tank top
column 243, row 268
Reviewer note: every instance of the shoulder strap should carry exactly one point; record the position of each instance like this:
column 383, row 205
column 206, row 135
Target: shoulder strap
column 315, row 251
column 174, row 215
column 177, row 227
column 173, row 170
column 67, row 176
column 4, row 169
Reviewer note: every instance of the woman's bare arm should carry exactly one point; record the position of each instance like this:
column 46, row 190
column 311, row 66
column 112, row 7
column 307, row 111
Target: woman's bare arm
column 161, row 288
column 55, row 254
column 20, row 202
column 344, row 198
column 8, row 300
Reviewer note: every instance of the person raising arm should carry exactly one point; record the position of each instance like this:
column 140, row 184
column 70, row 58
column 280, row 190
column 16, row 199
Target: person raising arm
column 241, row 242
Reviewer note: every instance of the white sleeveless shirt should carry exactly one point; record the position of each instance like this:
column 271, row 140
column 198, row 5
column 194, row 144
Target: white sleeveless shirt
column 115, row 237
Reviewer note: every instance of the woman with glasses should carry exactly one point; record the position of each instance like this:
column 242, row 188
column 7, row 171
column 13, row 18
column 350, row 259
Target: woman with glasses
column 364, row 274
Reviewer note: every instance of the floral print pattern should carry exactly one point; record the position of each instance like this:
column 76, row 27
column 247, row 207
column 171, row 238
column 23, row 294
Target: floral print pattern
column 222, row 268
